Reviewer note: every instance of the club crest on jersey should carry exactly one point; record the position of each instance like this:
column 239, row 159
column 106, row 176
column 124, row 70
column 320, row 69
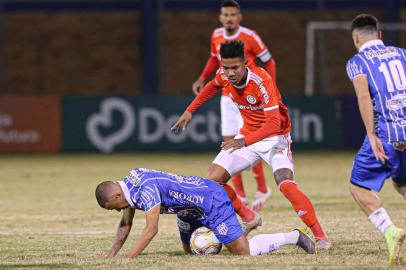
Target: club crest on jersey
column 222, row 229
column 251, row 99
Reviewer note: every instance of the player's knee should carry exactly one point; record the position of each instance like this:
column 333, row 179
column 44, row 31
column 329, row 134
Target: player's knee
column 282, row 175
column 357, row 191
column 218, row 174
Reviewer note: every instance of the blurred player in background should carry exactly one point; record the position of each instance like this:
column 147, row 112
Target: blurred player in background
column 196, row 201
column 265, row 134
column 231, row 121
column 378, row 75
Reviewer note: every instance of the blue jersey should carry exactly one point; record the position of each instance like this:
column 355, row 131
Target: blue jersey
column 177, row 194
column 384, row 66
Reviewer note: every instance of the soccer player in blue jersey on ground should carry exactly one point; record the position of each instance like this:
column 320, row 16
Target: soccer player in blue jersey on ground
column 196, row 201
column 378, row 75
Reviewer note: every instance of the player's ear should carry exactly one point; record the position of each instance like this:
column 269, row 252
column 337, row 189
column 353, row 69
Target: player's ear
column 220, row 18
column 380, row 34
column 115, row 196
column 355, row 37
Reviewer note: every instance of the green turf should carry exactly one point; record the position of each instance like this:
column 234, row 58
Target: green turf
column 50, row 219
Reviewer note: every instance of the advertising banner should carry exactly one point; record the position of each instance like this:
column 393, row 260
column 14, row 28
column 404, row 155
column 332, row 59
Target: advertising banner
column 317, row 122
column 108, row 124
column 125, row 124
column 30, row 124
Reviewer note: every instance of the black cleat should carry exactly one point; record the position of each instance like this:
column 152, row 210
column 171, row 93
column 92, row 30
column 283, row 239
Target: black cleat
column 304, row 241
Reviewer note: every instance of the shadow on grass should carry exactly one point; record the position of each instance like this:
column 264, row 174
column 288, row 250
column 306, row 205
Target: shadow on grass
column 174, row 253
column 35, row 265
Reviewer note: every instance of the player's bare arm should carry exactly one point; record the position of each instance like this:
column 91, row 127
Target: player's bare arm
column 365, row 106
column 149, row 232
column 182, row 122
column 123, row 231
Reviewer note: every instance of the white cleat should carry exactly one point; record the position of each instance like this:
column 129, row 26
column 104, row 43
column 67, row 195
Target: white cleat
column 260, row 199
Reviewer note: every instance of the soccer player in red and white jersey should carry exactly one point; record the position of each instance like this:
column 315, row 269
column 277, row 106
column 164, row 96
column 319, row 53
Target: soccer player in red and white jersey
column 231, row 121
column 264, row 135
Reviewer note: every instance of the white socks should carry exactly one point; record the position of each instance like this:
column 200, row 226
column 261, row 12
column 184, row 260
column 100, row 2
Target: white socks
column 265, row 243
column 380, row 219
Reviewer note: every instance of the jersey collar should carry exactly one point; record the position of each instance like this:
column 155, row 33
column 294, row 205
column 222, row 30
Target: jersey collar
column 246, row 81
column 232, row 36
column 126, row 193
column 370, row 43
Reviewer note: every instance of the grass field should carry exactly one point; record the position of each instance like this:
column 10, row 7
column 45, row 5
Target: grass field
column 50, row 218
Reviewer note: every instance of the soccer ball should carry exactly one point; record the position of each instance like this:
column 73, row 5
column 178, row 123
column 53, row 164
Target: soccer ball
column 204, row 242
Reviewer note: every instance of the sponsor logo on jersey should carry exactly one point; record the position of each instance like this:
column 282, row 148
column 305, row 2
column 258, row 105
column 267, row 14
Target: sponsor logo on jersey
column 382, row 54
column 396, row 102
column 222, row 228
column 186, row 197
column 192, row 180
column 264, row 93
column 248, row 107
column 251, row 99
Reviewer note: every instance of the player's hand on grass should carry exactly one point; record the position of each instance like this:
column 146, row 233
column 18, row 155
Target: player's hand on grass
column 233, row 144
column 377, row 148
column 197, row 86
column 182, row 122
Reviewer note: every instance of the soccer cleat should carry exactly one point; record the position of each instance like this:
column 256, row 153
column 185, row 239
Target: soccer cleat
column 323, row 245
column 244, row 200
column 304, row 241
column 394, row 239
column 248, row 226
column 260, row 199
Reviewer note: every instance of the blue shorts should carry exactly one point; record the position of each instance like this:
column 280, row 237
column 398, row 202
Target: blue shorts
column 221, row 219
column 369, row 173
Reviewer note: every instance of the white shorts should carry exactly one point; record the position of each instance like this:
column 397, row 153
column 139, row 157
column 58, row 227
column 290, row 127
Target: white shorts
column 231, row 120
column 274, row 150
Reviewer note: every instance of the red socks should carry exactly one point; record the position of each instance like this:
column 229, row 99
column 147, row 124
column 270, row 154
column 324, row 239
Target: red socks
column 303, row 207
column 238, row 185
column 245, row 213
column 258, row 172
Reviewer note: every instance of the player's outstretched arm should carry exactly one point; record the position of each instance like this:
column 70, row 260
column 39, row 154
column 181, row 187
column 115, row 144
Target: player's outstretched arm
column 150, row 230
column 209, row 91
column 365, row 106
column 123, row 230
column 182, row 122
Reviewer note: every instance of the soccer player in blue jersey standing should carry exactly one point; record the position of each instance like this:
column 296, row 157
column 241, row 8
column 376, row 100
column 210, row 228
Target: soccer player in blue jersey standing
column 196, row 201
column 378, row 75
